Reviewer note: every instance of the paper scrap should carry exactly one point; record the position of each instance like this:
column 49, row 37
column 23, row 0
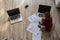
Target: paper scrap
column 37, row 37
column 33, row 28
column 34, row 18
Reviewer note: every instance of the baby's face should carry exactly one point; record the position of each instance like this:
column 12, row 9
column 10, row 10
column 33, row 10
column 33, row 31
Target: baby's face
column 47, row 14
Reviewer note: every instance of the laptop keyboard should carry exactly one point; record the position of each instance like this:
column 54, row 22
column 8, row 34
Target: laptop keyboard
column 15, row 17
column 16, row 20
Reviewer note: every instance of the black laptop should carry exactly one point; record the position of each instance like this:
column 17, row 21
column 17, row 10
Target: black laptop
column 43, row 8
column 14, row 15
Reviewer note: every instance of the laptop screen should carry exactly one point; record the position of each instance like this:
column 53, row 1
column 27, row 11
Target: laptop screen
column 44, row 8
column 13, row 12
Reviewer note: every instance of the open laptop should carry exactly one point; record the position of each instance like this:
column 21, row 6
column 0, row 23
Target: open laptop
column 14, row 15
column 42, row 9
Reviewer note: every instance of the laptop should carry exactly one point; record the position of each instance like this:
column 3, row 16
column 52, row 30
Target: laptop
column 42, row 9
column 14, row 15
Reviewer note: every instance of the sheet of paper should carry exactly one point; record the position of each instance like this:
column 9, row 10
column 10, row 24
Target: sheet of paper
column 33, row 28
column 34, row 18
column 37, row 37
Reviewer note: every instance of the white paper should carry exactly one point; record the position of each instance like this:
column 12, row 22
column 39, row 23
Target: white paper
column 37, row 37
column 33, row 28
column 34, row 18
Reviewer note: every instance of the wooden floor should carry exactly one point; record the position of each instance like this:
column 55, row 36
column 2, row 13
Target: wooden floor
column 18, row 31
